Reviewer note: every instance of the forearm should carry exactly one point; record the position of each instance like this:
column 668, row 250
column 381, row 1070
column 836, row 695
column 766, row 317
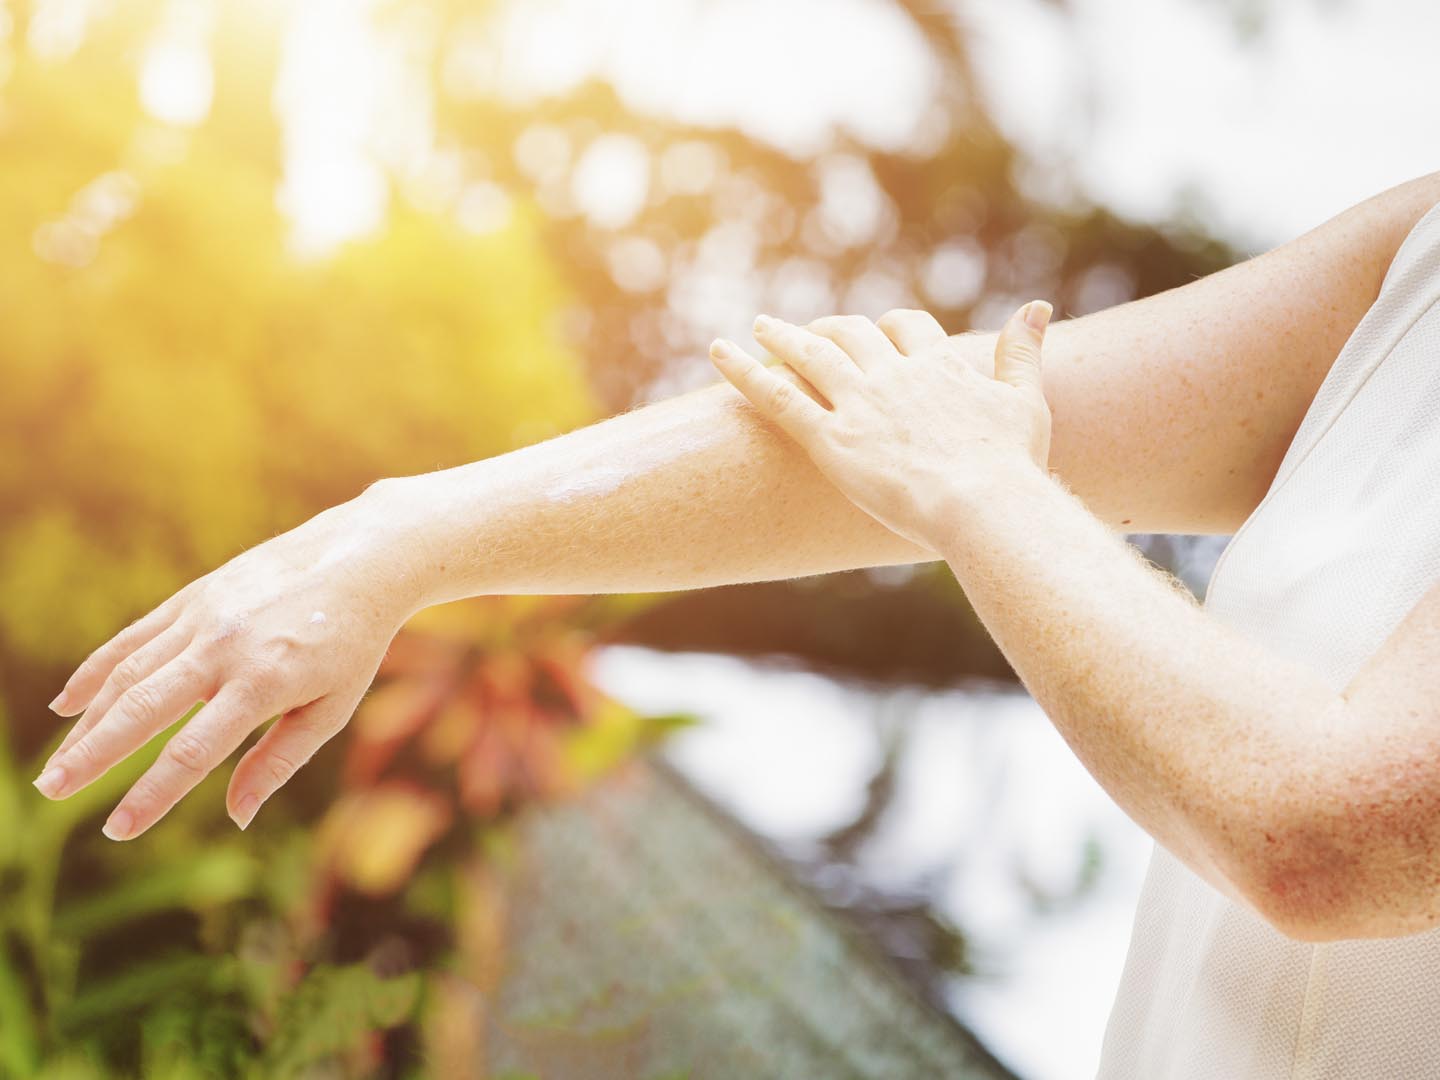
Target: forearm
column 1203, row 737
column 689, row 492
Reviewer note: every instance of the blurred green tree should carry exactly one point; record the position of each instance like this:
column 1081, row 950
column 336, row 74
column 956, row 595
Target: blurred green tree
column 178, row 386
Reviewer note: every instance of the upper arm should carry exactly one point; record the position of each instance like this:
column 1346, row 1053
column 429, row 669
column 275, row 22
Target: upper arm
column 1172, row 413
column 1357, row 835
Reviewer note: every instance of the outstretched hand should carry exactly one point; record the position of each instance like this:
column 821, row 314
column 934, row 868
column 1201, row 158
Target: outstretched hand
column 294, row 628
column 908, row 418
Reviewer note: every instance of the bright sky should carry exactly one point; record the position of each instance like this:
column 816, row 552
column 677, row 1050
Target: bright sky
column 1138, row 103
column 1334, row 102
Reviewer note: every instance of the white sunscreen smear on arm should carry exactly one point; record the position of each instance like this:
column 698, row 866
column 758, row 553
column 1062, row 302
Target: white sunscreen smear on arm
column 592, row 480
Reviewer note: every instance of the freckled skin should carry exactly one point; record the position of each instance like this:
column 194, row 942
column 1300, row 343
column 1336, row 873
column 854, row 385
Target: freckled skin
column 1169, row 414
column 1319, row 810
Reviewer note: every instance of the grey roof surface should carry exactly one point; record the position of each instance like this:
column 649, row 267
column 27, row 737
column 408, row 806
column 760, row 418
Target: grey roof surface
column 650, row 936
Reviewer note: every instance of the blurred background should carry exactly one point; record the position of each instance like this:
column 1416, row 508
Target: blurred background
column 256, row 255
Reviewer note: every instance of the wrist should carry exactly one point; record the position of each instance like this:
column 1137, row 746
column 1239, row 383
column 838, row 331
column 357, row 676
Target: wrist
column 450, row 533
column 391, row 525
column 987, row 484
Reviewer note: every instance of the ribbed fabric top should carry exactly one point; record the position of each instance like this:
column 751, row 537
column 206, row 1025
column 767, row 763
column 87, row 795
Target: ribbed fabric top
column 1342, row 546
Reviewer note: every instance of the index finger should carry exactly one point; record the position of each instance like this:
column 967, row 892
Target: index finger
column 777, row 399
column 82, row 686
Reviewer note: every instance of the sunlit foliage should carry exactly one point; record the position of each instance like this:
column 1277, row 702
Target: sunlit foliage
column 177, row 386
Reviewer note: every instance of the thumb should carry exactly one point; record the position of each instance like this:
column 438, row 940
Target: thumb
column 1017, row 351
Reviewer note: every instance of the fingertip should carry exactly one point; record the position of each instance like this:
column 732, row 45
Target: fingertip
column 66, row 706
column 1037, row 315
column 120, row 826
column 245, row 811
column 51, row 782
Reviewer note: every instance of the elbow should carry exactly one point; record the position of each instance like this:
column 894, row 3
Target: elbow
column 1298, row 902
column 1303, row 905
column 1313, row 891
column 1342, row 853
column 1301, row 882
column 1308, row 926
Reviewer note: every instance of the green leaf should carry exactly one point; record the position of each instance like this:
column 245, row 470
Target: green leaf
column 133, row 991
column 333, row 1009
column 19, row 1039
column 206, row 880
column 11, row 794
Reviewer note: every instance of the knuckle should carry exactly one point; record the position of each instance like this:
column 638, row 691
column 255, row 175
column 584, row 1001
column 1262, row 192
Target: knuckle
column 140, row 703
column 128, row 672
column 1023, row 351
column 145, row 797
column 98, row 659
column 256, row 687
column 186, row 670
column 77, row 733
column 229, row 629
column 281, row 767
column 130, row 632
column 281, row 649
column 263, row 680
column 898, row 317
column 82, row 755
column 184, row 595
column 778, row 396
column 814, row 350
column 188, row 752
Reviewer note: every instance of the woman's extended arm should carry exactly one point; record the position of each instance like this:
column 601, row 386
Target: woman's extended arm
column 1170, row 414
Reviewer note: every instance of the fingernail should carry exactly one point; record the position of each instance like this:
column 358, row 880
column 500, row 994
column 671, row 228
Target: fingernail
column 58, row 705
column 1037, row 314
column 245, row 811
column 763, row 322
column 720, row 347
column 120, row 825
column 51, row 782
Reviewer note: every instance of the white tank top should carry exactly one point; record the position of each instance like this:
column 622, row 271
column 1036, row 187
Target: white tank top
column 1345, row 541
